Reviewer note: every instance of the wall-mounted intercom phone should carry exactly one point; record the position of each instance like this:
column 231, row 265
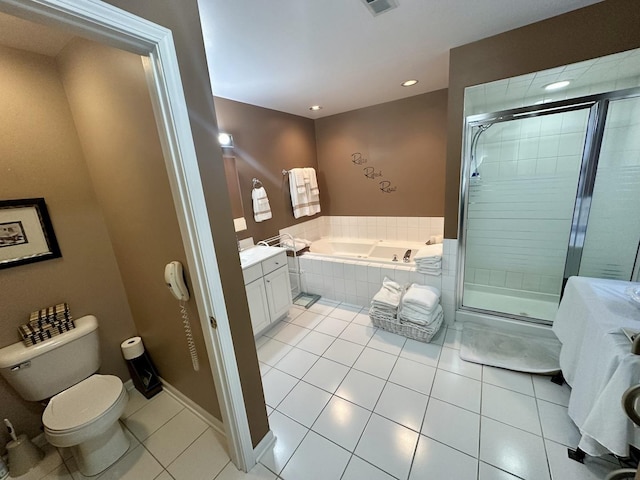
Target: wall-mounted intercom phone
column 174, row 278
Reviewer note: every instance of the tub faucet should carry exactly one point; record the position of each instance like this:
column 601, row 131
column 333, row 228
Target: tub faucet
column 407, row 256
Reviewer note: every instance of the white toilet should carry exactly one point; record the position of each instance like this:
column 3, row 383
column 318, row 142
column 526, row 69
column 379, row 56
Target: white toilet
column 84, row 407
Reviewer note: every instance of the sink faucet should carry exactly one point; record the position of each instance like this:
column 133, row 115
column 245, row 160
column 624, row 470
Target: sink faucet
column 407, row 256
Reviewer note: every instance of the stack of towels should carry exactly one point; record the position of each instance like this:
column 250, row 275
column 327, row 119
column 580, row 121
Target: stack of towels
column 421, row 306
column 385, row 303
column 46, row 323
column 305, row 195
column 261, row 207
column 429, row 259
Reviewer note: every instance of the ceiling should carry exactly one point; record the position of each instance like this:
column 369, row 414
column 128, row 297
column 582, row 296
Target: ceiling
column 32, row 37
column 291, row 54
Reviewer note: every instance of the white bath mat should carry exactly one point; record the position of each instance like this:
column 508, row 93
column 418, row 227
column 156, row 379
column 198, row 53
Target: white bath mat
column 519, row 352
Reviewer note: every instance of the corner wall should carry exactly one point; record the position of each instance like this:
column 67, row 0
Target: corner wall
column 41, row 157
column 601, row 29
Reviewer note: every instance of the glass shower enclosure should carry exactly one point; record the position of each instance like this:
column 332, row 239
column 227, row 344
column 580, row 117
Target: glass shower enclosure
column 548, row 191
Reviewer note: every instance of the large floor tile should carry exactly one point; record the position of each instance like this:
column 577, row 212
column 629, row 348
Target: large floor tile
column 545, row 389
column 425, row 353
column 345, row 312
column 277, row 385
column 388, row 446
column 52, row 460
column 489, row 472
column 153, row 415
column 308, row 320
column 402, row 405
column 204, row 459
column 331, row 326
column 357, row 333
column 453, row 338
column 264, row 368
column 326, row 374
column 512, row 408
column 297, row 362
column 358, row 469
column 324, row 306
column 563, row 468
column 316, row 342
column 289, row 435
column 375, row 362
column 59, row 473
column 513, row 450
column 272, row 351
column 259, row 472
column 500, row 377
column 175, row 436
column 138, row 464
column 387, row 342
column 316, row 459
column 165, row 476
column 343, row 352
column 458, row 390
column 136, row 402
column 450, row 361
column 304, row 403
column 413, row 375
column 289, row 333
column 361, row 388
column 557, row 425
column 435, row 460
column 363, row 318
column 342, row 422
column 453, row 426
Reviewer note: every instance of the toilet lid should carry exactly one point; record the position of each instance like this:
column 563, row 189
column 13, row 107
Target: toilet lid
column 82, row 403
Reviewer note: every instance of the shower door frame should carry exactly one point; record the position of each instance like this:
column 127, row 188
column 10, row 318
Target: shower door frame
column 598, row 107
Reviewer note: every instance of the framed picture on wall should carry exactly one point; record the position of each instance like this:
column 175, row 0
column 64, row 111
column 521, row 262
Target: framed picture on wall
column 26, row 233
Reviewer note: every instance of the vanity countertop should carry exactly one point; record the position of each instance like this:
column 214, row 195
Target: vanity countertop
column 257, row 254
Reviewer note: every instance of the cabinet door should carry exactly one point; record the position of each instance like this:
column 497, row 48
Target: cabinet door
column 278, row 292
column 258, row 306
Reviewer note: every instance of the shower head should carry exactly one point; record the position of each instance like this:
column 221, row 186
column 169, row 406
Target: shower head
column 474, row 145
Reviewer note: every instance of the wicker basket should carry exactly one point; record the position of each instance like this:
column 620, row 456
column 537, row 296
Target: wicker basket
column 409, row 330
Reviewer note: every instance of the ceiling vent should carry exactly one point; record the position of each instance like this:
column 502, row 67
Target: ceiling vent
column 376, row 7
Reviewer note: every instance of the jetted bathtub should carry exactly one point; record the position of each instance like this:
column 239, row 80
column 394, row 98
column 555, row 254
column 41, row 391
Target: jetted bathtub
column 379, row 251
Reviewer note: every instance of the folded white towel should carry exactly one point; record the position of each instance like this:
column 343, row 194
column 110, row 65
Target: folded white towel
column 388, row 296
column 310, row 173
column 297, row 176
column 297, row 244
column 422, row 296
column 429, row 251
column 406, row 315
column 304, row 200
column 261, row 207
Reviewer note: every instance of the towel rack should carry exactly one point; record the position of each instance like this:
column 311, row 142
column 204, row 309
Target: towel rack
column 256, row 183
column 285, row 172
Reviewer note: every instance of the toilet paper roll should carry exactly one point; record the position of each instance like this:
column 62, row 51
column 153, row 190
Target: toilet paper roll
column 132, row 348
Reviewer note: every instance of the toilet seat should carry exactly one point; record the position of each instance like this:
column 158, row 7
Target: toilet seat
column 84, row 410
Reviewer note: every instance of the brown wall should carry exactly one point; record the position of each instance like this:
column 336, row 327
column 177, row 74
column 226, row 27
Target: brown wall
column 41, row 156
column 110, row 101
column 601, row 29
column 184, row 21
column 266, row 142
column 405, row 140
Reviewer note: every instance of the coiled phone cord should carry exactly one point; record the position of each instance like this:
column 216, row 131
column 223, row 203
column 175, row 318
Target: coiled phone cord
column 187, row 331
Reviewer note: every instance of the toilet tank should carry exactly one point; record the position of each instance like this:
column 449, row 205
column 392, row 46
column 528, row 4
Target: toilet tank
column 47, row 368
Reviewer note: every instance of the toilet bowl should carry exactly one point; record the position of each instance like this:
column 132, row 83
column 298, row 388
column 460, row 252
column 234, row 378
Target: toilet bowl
column 84, row 408
column 85, row 419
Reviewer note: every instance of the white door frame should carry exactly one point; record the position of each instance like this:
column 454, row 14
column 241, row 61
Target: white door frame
column 110, row 25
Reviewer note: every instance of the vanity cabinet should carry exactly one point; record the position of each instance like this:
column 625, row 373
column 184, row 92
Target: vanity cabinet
column 268, row 288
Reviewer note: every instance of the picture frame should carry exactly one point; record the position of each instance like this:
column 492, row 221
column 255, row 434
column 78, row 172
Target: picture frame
column 26, row 233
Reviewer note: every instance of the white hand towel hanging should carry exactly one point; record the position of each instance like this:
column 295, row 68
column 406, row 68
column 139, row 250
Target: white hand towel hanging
column 261, row 207
column 303, row 200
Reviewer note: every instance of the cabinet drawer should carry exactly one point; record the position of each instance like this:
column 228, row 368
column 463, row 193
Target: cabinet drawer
column 252, row 273
column 273, row 263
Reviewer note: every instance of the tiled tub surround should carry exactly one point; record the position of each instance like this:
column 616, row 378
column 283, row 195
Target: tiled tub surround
column 413, row 229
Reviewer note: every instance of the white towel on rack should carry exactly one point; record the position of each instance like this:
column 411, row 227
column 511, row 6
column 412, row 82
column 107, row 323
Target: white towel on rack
column 304, row 200
column 313, row 181
column 261, row 207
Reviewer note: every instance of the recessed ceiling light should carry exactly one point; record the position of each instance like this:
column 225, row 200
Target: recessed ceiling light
column 409, row 83
column 557, row 85
column 315, row 108
column 225, row 140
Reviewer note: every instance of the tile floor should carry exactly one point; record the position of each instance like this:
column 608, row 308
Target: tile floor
column 347, row 401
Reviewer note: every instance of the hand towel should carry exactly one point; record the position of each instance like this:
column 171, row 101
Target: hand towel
column 303, row 201
column 261, row 207
column 423, row 297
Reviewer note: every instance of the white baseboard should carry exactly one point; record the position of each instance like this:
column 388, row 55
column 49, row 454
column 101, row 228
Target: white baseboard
column 265, row 444
column 196, row 409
